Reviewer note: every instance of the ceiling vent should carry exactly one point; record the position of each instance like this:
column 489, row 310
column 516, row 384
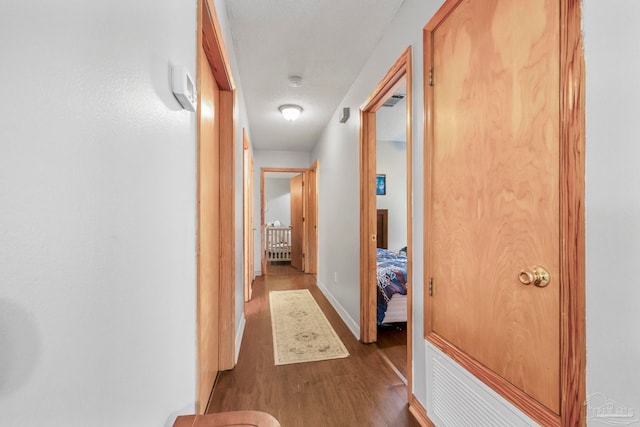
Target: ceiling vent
column 393, row 100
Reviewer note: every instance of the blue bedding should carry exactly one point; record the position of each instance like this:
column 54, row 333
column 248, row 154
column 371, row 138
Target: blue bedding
column 392, row 278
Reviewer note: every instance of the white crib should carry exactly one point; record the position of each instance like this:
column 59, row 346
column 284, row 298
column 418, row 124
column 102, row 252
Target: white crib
column 277, row 243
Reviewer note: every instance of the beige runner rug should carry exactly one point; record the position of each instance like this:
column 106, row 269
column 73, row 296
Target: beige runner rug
column 301, row 332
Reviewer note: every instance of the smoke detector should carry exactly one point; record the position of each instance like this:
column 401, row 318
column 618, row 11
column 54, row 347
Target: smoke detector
column 295, row 81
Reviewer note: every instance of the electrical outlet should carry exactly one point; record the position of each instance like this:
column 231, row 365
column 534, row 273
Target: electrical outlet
column 335, row 277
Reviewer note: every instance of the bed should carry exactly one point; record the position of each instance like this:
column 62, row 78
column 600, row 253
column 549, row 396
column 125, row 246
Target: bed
column 392, row 286
column 277, row 243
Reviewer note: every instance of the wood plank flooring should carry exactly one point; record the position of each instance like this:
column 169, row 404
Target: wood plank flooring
column 281, row 268
column 361, row 390
column 392, row 340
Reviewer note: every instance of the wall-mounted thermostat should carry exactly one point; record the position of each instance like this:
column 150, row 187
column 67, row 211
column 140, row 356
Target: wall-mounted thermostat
column 183, row 87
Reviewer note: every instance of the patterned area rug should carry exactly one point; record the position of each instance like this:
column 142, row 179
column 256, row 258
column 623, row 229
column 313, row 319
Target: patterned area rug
column 301, row 332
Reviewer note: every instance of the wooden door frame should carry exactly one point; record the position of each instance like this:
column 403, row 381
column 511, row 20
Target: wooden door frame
column 209, row 37
column 263, row 261
column 400, row 72
column 249, row 230
column 572, row 228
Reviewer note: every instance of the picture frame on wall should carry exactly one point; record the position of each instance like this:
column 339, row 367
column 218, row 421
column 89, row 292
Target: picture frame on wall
column 381, row 184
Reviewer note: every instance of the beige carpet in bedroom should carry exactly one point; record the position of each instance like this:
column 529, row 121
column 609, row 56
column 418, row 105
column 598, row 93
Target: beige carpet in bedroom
column 301, row 332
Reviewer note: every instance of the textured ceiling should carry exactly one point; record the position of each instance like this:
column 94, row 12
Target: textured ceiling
column 326, row 42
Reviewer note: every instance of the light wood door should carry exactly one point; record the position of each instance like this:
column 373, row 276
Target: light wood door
column 382, row 228
column 248, row 217
column 311, row 221
column 495, row 189
column 209, row 231
column 296, row 185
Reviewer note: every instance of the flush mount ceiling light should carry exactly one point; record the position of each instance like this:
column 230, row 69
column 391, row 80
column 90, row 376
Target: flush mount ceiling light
column 290, row 112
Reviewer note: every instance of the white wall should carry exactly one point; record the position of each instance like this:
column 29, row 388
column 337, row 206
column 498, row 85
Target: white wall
column 271, row 159
column 98, row 214
column 612, row 54
column 391, row 122
column 391, row 160
column 277, row 199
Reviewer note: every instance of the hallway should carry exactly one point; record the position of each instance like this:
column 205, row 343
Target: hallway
column 360, row 390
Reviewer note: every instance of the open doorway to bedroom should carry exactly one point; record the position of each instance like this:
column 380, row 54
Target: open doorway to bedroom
column 391, row 228
column 385, row 219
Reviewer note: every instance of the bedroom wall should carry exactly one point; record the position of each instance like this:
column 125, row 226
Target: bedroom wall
column 391, row 160
column 277, row 198
column 613, row 200
column 271, row 159
column 98, row 214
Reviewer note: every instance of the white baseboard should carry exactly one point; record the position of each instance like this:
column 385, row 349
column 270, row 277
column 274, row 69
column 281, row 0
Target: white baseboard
column 239, row 335
column 348, row 320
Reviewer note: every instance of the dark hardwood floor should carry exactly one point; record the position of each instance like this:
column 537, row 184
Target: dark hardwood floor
column 392, row 340
column 280, row 268
column 361, row 390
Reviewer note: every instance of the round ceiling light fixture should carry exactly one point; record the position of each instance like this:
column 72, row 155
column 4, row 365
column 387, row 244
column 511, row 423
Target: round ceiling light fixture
column 290, row 112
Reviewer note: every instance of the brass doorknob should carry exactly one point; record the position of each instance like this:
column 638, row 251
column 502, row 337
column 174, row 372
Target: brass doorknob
column 538, row 276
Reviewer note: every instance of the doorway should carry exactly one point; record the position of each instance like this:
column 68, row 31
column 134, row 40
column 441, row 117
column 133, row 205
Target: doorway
column 288, row 217
column 385, row 197
column 391, row 228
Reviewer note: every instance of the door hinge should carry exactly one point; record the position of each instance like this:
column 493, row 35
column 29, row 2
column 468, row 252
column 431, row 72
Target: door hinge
column 431, row 76
column 302, row 219
column 431, row 286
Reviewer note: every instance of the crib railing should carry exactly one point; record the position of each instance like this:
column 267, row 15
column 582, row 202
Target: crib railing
column 277, row 243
